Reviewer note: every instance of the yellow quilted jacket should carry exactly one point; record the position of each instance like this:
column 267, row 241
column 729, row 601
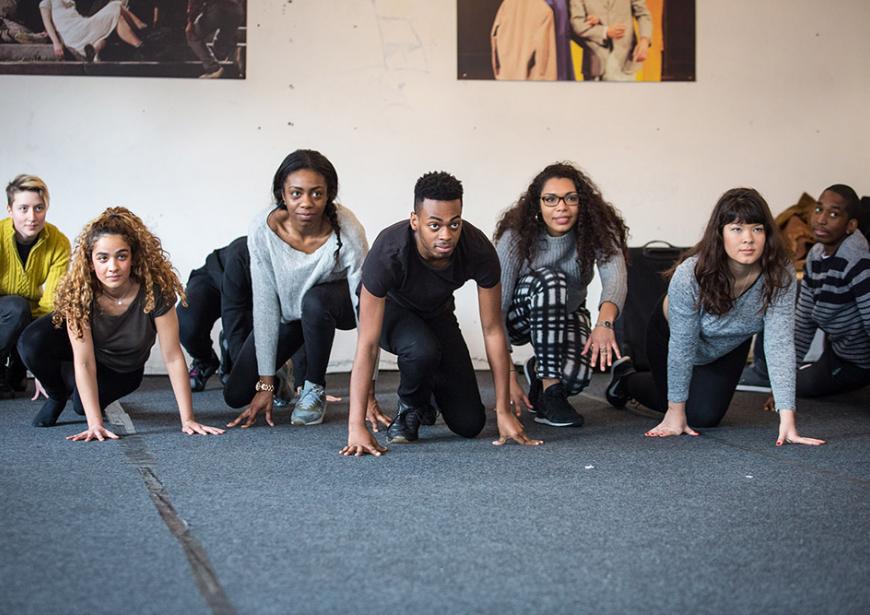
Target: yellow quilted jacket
column 46, row 264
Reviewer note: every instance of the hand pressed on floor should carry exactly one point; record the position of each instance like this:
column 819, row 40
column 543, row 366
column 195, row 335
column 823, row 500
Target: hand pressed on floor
column 97, row 432
column 510, row 428
column 360, row 442
column 262, row 401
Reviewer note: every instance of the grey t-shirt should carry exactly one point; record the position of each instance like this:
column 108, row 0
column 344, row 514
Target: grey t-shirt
column 123, row 343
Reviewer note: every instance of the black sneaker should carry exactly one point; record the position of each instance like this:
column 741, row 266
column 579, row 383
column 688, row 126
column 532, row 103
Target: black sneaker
column 556, row 410
column 406, row 426
column 535, row 386
column 201, row 371
column 615, row 392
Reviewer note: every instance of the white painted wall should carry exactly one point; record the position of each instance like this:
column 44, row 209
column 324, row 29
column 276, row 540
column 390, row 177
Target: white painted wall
column 372, row 84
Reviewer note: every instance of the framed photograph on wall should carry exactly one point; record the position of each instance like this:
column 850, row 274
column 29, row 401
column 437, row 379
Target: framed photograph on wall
column 203, row 39
column 576, row 40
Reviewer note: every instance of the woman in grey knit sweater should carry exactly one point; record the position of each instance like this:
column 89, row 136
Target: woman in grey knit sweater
column 737, row 281
column 547, row 244
column 306, row 259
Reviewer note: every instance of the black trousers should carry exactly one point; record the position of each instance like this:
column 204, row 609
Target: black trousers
column 434, row 361
column 325, row 308
column 48, row 354
column 828, row 375
column 14, row 318
column 195, row 321
column 712, row 386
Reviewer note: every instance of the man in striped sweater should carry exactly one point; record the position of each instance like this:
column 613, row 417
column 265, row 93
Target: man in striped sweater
column 835, row 297
column 33, row 257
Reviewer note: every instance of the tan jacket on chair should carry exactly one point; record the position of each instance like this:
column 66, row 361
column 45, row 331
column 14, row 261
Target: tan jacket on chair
column 523, row 41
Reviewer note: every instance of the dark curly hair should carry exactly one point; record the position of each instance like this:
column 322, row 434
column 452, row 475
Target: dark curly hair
column 715, row 280
column 600, row 230
column 77, row 289
column 438, row 186
column 311, row 160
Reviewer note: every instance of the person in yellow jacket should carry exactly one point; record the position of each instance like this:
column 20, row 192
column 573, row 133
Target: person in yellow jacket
column 33, row 257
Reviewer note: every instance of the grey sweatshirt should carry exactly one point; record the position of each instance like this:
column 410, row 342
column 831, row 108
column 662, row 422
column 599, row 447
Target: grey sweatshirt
column 559, row 253
column 698, row 338
column 280, row 276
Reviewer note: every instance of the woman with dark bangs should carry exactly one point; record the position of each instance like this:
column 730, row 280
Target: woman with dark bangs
column 547, row 245
column 737, row 281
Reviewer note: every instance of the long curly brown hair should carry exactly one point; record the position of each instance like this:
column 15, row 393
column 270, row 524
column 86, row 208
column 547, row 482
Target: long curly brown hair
column 715, row 280
column 74, row 297
column 600, row 230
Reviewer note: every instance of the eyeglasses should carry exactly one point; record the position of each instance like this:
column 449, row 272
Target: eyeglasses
column 572, row 199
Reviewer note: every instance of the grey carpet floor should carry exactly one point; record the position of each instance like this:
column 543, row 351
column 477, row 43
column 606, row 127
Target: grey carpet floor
column 597, row 520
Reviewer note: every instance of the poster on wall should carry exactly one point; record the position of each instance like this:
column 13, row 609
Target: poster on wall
column 203, row 39
column 576, row 40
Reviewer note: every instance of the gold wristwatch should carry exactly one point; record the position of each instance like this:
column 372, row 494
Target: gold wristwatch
column 262, row 386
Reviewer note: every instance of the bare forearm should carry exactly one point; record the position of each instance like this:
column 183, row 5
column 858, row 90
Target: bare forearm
column 178, row 377
column 500, row 364
column 49, row 26
column 86, row 384
column 361, row 384
column 608, row 311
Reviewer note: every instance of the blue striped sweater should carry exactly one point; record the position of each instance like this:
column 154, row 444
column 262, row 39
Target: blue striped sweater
column 835, row 297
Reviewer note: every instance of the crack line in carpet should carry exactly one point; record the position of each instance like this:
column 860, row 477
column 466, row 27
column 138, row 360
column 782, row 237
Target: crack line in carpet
column 138, row 455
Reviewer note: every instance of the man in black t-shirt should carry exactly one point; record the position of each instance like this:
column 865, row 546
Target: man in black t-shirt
column 406, row 307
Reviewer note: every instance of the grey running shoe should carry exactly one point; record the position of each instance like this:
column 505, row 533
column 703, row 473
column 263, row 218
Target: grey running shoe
column 311, row 405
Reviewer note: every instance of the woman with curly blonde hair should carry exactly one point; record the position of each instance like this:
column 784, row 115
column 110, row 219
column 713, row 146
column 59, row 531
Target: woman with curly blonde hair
column 115, row 300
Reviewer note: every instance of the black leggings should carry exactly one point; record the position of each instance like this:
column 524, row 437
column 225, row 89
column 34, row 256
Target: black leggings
column 325, row 308
column 434, row 360
column 14, row 318
column 47, row 353
column 712, row 385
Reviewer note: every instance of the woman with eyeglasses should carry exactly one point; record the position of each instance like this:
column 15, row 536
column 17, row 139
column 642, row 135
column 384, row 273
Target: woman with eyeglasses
column 547, row 244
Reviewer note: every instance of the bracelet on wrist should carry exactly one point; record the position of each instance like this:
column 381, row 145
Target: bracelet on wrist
column 263, row 386
column 606, row 324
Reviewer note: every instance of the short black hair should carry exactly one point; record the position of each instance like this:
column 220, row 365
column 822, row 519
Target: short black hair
column 849, row 195
column 438, row 186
